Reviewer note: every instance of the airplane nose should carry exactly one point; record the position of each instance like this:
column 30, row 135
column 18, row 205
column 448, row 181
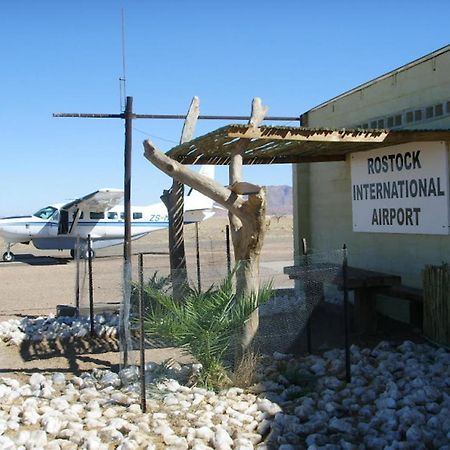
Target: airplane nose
column 5, row 229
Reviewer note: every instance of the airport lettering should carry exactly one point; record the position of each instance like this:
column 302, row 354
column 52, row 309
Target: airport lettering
column 396, row 216
column 394, row 162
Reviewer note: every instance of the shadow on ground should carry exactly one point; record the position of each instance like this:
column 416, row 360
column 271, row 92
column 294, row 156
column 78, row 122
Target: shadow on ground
column 72, row 349
column 32, row 260
column 327, row 331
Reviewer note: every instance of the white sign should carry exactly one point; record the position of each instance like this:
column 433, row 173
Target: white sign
column 401, row 189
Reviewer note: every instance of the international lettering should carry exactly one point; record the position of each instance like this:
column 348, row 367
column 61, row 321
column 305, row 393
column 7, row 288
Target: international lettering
column 416, row 188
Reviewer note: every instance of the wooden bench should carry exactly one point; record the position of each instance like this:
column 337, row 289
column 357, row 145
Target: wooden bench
column 415, row 298
column 366, row 284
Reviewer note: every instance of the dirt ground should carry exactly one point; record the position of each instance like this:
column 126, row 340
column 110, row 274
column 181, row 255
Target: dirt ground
column 41, row 279
column 38, row 281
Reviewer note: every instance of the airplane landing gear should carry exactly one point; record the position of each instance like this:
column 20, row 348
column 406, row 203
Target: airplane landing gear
column 84, row 254
column 9, row 256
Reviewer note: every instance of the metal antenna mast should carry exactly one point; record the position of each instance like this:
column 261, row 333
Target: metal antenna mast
column 123, row 79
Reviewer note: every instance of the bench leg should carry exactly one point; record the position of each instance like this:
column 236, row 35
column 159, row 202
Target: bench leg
column 314, row 295
column 416, row 314
column 365, row 311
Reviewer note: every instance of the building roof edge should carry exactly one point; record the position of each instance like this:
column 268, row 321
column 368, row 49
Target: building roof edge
column 407, row 66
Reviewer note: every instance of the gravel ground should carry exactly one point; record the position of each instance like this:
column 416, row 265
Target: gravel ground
column 398, row 399
column 399, row 396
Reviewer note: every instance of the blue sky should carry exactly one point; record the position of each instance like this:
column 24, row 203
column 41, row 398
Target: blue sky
column 66, row 57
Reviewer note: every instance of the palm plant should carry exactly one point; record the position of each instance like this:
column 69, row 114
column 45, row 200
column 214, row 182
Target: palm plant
column 154, row 283
column 204, row 324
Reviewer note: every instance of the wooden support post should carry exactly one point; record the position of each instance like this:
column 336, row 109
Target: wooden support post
column 247, row 234
column 174, row 201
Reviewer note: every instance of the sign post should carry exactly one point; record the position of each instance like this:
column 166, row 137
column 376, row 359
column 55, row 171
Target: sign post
column 401, row 189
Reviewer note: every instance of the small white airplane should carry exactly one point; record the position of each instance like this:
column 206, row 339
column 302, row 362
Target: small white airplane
column 67, row 226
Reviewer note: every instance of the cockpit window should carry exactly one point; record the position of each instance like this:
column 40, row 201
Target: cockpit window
column 96, row 215
column 45, row 213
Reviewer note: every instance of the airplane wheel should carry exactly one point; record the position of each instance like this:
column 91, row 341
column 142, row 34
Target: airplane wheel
column 9, row 257
column 86, row 254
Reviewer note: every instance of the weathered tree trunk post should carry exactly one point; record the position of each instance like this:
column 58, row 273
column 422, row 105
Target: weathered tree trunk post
column 247, row 217
column 248, row 236
column 174, row 201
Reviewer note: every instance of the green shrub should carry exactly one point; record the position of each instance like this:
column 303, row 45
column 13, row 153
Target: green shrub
column 204, row 324
column 154, row 283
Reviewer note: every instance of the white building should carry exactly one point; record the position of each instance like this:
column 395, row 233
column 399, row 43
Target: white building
column 414, row 96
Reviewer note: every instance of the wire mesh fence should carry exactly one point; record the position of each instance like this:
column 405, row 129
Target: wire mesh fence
column 159, row 320
column 97, row 286
column 288, row 313
column 97, row 290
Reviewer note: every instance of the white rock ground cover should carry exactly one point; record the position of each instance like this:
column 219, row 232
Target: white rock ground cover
column 399, row 398
column 15, row 331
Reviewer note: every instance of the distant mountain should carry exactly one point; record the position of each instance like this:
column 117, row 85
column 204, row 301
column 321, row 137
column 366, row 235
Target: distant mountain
column 279, row 199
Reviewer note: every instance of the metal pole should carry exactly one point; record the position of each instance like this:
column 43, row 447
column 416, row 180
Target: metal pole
column 127, row 178
column 307, row 288
column 77, row 281
column 141, row 337
column 199, row 282
column 227, row 237
column 348, row 375
column 125, row 311
column 91, row 289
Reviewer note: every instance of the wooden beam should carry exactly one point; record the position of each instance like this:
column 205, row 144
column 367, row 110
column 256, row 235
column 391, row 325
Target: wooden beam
column 291, row 134
column 259, row 111
column 200, row 183
column 291, row 159
column 244, row 188
column 191, row 121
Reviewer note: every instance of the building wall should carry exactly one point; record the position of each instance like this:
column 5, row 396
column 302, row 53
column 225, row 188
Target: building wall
column 322, row 195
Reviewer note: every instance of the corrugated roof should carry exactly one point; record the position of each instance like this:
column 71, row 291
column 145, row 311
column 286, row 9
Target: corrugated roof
column 278, row 145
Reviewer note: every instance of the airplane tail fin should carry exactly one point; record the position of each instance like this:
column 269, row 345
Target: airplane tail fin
column 208, row 170
column 199, row 207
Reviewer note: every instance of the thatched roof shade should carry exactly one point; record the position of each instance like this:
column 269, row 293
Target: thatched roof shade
column 275, row 145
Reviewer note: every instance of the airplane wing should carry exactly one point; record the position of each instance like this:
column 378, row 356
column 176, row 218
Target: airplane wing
column 97, row 201
column 198, row 215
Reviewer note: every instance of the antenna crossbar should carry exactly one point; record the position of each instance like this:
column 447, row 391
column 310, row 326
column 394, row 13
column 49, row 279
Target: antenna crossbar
column 171, row 116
